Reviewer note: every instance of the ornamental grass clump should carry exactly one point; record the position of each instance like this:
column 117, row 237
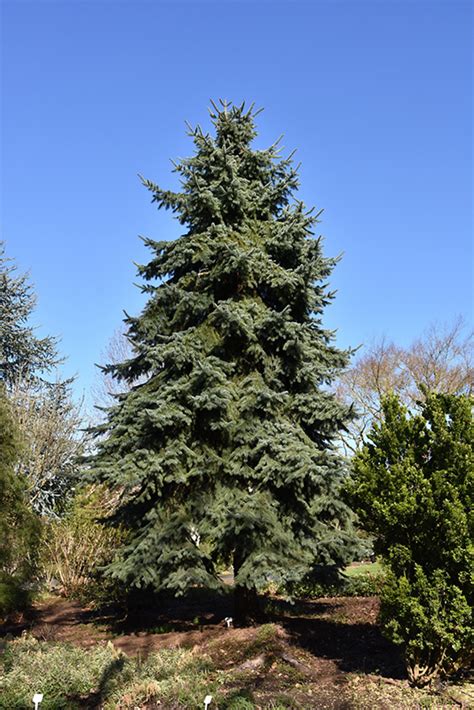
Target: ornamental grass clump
column 61, row 672
column 70, row 677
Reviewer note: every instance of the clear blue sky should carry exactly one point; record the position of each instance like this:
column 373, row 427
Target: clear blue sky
column 376, row 97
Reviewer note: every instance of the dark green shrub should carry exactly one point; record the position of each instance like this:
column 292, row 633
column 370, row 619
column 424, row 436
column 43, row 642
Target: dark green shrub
column 431, row 618
column 13, row 595
column 413, row 489
column 19, row 526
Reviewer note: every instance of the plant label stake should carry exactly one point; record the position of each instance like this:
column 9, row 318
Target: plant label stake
column 37, row 698
column 207, row 701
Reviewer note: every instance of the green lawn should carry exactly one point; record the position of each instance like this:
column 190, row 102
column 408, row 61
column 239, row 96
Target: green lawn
column 363, row 569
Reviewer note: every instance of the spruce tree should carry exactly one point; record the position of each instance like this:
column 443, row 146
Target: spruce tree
column 22, row 354
column 41, row 402
column 225, row 450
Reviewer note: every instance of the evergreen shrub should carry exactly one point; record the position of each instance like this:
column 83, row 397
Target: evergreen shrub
column 19, row 525
column 413, row 489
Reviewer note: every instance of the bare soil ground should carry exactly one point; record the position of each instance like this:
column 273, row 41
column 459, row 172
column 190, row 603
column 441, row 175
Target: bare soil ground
column 326, row 653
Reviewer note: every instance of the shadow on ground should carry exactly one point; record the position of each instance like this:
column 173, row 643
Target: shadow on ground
column 342, row 630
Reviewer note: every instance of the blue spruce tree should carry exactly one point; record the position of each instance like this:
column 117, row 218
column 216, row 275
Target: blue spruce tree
column 225, row 452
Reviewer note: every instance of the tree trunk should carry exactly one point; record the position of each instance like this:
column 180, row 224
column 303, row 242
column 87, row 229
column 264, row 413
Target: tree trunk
column 247, row 609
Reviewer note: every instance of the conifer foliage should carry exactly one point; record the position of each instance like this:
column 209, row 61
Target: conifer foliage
column 224, row 454
column 21, row 352
column 413, row 489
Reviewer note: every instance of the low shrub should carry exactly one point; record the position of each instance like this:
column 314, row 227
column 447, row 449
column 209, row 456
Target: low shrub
column 363, row 585
column 432, row 619
column 77, row 546
column 13, row 595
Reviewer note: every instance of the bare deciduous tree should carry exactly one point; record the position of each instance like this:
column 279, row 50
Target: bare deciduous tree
column 51, row 424
column 106, row 387
column 441, row 360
